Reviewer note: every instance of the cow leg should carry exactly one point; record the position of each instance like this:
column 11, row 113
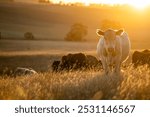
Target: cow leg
column 117, row 65
column 105, row 66
column 117, row 69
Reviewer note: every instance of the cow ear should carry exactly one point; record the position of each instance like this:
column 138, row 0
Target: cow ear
column 99, row 32
column 119, row 32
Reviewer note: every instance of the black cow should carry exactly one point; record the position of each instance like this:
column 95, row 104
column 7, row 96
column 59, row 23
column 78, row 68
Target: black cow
column 56, row 66
column 73, row 61
column 141, row 58
column 78, row 61
column 92, row 62
column 146, row 51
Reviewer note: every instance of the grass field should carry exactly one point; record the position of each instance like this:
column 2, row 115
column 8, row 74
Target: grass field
column 38, row 54
column 132, row 83
column 50, row 24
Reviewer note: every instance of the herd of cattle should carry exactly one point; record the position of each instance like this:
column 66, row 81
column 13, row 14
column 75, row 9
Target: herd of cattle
column 80, row 61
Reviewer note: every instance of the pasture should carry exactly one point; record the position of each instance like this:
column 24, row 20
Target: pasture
column 132, row 83
column 38, row 54
column 49, row 24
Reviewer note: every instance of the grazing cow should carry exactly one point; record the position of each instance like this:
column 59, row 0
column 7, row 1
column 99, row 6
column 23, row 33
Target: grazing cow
column 56, row 66
column 76, row 61
column 73, row 61
column 146, row 51
column 24, row 71
column 113, row 48
column 92, row 62
column 141, row 58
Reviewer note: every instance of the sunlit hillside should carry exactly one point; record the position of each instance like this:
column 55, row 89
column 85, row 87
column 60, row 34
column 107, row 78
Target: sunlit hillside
column 54, row 21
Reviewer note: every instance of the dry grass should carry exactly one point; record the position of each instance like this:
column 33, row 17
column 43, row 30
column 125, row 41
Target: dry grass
column 130, row 84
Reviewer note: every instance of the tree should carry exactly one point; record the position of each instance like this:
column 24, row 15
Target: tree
column 29, row 36
column 77, row 32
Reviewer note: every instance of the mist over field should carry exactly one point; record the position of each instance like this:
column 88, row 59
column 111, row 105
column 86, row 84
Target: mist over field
column 35, row 35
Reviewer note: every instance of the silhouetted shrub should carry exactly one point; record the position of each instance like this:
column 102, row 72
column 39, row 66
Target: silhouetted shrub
column 29, row 35
column 77, row 32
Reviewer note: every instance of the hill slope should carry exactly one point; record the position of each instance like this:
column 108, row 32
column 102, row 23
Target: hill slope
column 53, row 21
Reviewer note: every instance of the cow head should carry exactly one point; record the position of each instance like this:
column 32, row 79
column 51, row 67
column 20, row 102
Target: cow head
column 109, row 38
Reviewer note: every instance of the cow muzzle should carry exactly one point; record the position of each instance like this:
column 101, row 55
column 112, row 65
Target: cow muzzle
column 111, row 50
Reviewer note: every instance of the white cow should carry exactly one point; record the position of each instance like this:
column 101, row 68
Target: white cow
column 24, row 71
column 113, row 48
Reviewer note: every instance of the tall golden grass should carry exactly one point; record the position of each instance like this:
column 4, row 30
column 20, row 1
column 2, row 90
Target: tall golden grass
column 132, row 83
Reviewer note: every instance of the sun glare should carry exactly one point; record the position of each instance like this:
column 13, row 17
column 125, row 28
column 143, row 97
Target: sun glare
column 139, row 4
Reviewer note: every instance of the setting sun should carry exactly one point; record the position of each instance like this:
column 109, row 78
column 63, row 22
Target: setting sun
column 140, row 4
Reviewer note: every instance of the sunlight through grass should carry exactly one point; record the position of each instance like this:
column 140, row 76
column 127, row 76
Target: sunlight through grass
column 133, row 83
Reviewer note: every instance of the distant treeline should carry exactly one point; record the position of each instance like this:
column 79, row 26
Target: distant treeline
column 45, row 1
column 92, row 5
